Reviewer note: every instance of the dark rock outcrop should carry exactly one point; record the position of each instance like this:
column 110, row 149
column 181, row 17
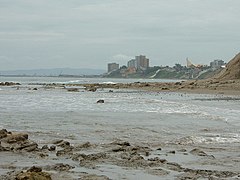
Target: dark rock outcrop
column 34, row 173
column 198, row 152
column 12, row 141
column 73, row 90
column 91, row 88
column 100, row 101
column 58, row 167
column 9, row 84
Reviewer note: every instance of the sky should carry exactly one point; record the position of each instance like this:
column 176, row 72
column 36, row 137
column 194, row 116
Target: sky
column 37, row 34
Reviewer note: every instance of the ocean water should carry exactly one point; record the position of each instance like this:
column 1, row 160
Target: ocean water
column 131, row 114
column 137, row 116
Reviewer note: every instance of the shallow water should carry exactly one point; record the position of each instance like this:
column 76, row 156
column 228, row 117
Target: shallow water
column 136, row 116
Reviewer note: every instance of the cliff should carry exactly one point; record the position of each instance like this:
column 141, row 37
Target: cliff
column 232, row 70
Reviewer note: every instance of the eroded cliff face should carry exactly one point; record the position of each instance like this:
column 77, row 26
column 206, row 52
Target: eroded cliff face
column 232, row 70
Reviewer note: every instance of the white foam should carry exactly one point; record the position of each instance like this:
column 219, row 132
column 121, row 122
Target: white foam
column 212, row 139
column 109, row 82
column 221, row 140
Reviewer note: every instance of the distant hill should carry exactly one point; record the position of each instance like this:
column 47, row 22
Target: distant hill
column 54, row 72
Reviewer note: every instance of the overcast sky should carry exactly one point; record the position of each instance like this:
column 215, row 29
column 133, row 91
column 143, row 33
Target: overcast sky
column 90, row 33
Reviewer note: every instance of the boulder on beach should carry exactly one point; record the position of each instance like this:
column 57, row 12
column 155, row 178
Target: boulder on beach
column 100, row 101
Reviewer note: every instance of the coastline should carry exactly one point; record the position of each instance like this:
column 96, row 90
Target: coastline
column 208, row 86
column 228, row 87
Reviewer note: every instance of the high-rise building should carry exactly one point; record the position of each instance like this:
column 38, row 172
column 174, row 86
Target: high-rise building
column 112, row 67
column 140, row 63
column 132, row 63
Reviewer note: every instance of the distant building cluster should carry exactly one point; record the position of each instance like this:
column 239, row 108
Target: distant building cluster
column 140, row 63
column 139, row 67
column 113, row 67
column 217, row 63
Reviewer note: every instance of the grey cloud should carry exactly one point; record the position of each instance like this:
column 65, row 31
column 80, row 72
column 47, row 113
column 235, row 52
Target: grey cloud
column 32, row 36
column 90, row 33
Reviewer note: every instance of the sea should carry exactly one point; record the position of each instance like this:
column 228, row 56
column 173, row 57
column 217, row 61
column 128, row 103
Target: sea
column 136, row 116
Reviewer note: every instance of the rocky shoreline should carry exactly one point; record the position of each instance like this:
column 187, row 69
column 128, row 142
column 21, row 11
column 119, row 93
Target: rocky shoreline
column 227, row 87
column 118, row 153
column 211, row 86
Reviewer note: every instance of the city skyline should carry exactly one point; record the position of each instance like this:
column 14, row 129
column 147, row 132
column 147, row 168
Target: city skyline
column 83, row 34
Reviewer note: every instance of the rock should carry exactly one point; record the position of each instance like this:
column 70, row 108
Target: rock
column 58, row 141
column 35, row 89
column 16, row 137
column 34, row 169
column 64, row 152
column 73, row 89
column 42, row 155
column 94, row 177
column 172, row 152
column 58, row 167
column 100, row 101
column 63, row 144
column 157, row 159
column 121, row 143
column 18, row 142
column 45, row 147
column 136, row 157
column 174, row 166
column 198, row 152
column 52, row 148
column 83, row 146
column 189, row 176
column 3, row 133
column 34, row 173
column 207, row 173
column 165, row 88
column 89, row 157
column 91, row 88
column 182, row 150
column 8, row 84
column 147, row 153
column 2, row 148
column 28, row 146
column 118, row 149
column 178, row 83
